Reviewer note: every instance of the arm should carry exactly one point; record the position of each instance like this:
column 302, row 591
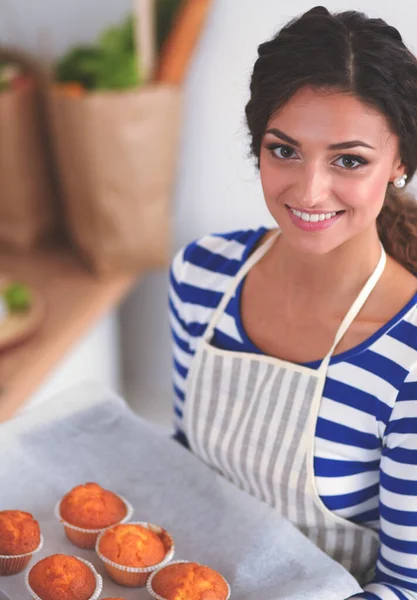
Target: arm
column 396, row 568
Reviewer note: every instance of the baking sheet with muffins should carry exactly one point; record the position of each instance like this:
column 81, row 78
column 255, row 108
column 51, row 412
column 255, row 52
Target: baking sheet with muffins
column 88, row 434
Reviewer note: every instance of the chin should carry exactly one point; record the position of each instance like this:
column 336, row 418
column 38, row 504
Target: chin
column 312, row 244
column 314, row 247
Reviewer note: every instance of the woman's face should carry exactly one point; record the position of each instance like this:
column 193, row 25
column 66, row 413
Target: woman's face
column 325, row 163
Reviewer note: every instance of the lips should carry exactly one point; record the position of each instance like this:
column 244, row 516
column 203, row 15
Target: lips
column 313, row 220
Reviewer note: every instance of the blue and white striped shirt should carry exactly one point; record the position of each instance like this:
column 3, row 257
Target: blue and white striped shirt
column 365, row 461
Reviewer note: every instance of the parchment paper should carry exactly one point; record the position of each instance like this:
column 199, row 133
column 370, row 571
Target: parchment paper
column 89, row 434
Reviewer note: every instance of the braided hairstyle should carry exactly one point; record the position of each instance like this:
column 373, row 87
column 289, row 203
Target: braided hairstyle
column 351, row 53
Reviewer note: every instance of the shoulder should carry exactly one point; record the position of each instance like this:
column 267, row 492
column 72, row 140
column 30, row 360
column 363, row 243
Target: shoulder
column 401, row 278
column 398, row 348
column 394, row 301
column 220, row 254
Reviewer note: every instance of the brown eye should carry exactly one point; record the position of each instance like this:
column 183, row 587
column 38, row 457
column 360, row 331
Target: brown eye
column 281, row 151
column 350, row 162
column 286, row 152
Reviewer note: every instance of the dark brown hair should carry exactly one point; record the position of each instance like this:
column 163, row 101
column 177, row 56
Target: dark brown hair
column 350, row 53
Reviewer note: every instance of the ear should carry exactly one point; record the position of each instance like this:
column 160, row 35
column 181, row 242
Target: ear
column 398, row 170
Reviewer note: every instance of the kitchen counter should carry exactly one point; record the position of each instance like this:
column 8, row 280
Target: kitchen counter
column 75, row 301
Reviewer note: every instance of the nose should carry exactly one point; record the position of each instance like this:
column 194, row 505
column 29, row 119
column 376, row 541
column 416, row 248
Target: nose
column 313, row 187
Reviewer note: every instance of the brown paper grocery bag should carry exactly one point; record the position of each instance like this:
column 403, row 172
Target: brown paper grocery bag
column 116, row 157
column 27, row 213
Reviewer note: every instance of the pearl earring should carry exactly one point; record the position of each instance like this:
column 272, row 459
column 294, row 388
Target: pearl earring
column 399, row 182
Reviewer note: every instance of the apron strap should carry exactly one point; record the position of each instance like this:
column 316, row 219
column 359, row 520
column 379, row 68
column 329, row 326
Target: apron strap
column 244, row 269
column 357, row 305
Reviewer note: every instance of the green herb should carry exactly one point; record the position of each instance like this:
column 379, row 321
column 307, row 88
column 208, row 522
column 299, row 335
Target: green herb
column 80, row 64
column 110, row 64
column 18, row 297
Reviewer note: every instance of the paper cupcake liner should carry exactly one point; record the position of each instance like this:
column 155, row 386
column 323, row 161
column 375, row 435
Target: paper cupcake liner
column 174, row 562
column 86, row 538
column 97, row 591
column 12, row 564
column 137, row 576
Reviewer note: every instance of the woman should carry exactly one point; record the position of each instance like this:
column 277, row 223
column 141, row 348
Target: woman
column 295, row 350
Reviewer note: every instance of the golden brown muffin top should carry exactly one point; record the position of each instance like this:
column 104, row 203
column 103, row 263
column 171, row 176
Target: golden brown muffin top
column 19, row 532
column 189, row 581
column 62, row 577
column 92, row 507
column 132, row 545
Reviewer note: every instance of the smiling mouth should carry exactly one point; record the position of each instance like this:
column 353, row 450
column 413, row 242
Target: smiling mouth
column 314, row 216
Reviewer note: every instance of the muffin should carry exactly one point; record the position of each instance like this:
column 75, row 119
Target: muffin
column 88, row 509
column 132, row 546
column 188, row 581
column 20, row 537
column 131, row 551
column 62, row 577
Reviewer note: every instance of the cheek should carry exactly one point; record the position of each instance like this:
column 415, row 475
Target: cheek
column 365, row 194
column 273, row 181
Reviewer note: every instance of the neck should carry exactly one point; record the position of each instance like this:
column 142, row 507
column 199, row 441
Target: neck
column 327, row 282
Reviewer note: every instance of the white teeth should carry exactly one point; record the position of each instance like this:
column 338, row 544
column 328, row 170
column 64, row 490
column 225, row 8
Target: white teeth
column 312, row 218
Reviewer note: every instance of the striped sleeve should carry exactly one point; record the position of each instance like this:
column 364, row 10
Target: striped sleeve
column 182, row 351
column 396, row 568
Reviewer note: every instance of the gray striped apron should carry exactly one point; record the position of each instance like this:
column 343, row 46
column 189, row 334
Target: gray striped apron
column 253, row 419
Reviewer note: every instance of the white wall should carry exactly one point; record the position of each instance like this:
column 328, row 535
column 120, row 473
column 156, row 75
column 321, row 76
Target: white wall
column 52, row 26
column 218, row 188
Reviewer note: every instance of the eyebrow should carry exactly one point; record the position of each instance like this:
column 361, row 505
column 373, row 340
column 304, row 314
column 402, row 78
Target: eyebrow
column 341, row 146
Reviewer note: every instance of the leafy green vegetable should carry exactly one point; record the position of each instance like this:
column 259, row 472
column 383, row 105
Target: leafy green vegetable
column 111, row 63
column 18, row 297
column 118, row 39
column 118, row 73
column 80, row 64
column 119, row 68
